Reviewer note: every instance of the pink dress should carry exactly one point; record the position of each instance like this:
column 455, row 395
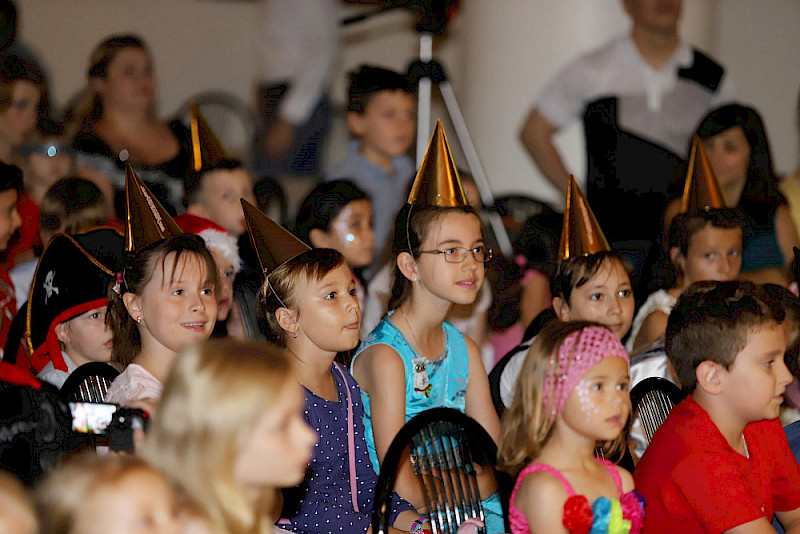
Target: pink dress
column 605, row 516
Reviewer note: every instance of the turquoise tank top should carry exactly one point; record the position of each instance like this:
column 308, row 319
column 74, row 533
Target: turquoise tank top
column 447, row 376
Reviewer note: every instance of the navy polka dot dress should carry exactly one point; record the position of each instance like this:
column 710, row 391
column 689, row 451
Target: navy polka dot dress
column 326, row 505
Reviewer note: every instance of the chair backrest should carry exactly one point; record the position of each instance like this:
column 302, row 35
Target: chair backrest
column 445, row 447
column 88, row 383
column 652, row 399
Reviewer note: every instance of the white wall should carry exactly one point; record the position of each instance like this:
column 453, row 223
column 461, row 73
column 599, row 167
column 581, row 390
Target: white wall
column 499, row 54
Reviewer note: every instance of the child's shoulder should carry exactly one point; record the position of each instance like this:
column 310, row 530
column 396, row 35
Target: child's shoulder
column 540, row 494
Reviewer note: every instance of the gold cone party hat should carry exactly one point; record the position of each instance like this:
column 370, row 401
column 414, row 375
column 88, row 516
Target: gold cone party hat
column 437, row 182
column 701, row 191
column 146, row 219
column 272, row 243
column 206, row 148
column 580, row 234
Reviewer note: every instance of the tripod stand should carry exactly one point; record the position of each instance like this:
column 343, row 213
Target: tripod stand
column 425, row 72
column 433, row 16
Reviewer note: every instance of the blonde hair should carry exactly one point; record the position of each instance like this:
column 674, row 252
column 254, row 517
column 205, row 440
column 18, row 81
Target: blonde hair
column 63, row 493
column 527, row 426
column 212, row 401
column 16, row 509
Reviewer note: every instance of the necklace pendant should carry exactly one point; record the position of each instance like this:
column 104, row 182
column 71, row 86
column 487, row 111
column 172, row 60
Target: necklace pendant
column 421, row 380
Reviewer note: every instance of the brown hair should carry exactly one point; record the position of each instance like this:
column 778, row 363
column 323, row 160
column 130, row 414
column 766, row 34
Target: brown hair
column 281, row 288
column 13, row 69
column 212, row 401
column 411, row 227
column 73, row 205
column 526, row 427
column 88, row 106
column 137, row 272
column 711, row 322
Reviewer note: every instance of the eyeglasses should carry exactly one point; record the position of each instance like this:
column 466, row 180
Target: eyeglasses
column 481, row 254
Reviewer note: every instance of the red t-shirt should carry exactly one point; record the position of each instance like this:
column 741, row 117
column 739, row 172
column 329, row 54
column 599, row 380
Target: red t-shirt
column 695, row 482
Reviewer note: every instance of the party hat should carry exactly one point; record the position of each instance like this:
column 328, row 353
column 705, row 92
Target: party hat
column 206, row 148
column 272, row 243
column 701, row 191
column 580, row 234
column 437, row 182
column 147, row 220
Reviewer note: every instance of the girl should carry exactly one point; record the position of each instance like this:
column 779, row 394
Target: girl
column 167, row 299
column 591, row 283
column 415, row 360
column 228, row 431
column 736, row 143
column 89, row 494
column 164, row 298
column 309, row 303
column 572, row 398
column 703, row 245
column 338, row 215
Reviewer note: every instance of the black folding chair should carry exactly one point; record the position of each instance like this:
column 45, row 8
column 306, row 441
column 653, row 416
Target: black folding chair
column 89, row 383
column 445, row 447
column 652, row 399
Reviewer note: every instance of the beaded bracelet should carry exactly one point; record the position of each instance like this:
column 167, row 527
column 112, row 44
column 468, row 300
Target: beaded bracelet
column 416, row 526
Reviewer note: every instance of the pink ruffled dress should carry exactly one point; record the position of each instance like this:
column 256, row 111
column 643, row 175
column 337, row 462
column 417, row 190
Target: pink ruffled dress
column 604, row 516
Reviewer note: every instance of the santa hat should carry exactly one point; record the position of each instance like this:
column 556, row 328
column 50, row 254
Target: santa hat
column 214, row 235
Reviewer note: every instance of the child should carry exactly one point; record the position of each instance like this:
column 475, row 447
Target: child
column 591, row 283
column 72, row 206
column 338, row 215
column 67, row 311
column 720, row 462
column 10, row 189
column 308, row 300
column 381, row 115
column 705, row 242
column 415, row 360
column 217, row 181
column 16, row 510
column 228, row 431
column 225, row 250
column 164, row 298
column 572, row 397
column 89, row 494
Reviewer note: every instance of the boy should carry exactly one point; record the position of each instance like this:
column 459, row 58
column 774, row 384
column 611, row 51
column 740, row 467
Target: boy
column 218, row 181
column 67, row 309
column 721, row 462
column 381, row 114
column 10, row 189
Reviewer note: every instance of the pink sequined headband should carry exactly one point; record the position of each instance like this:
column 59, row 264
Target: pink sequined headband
column 578, row 353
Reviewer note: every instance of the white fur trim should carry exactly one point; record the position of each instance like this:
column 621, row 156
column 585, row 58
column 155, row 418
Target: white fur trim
column 225, row 243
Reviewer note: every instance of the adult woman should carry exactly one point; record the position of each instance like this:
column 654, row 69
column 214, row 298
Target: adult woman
column 737, row 147
column 117, row 122
column 21, row 91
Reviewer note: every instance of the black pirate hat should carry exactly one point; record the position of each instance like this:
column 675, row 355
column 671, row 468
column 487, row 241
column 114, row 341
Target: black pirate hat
column 72, row 277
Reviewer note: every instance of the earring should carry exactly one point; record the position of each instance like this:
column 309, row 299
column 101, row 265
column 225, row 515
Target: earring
column 416, row 280
column 294, row 335
column 139, row 320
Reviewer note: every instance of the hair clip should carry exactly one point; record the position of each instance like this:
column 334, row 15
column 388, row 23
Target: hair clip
column 118, row 284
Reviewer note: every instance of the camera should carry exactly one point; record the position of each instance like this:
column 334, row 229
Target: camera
column 115, row 422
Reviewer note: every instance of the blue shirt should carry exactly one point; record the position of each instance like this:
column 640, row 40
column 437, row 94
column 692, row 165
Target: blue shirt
column 387, row 191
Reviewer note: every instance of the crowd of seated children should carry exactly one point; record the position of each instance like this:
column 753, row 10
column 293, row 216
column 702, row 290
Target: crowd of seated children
column 721, row 461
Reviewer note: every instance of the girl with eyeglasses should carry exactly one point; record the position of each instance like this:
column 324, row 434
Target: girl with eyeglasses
column 414, row 359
